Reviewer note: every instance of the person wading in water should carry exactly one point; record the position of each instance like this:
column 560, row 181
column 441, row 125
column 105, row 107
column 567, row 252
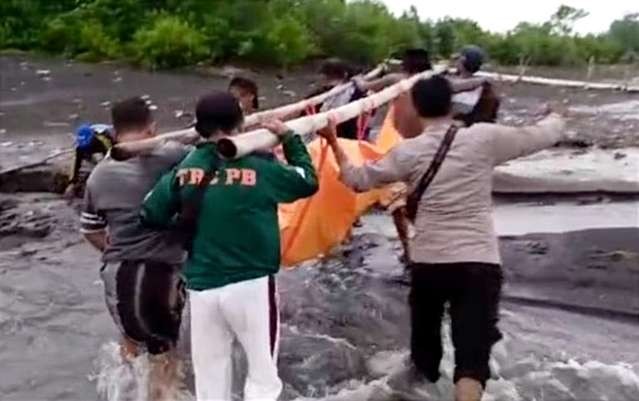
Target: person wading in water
column 454, row 255
column 235, row 248
column 141, row 267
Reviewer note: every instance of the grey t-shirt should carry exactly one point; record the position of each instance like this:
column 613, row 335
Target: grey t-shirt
column 113, row 196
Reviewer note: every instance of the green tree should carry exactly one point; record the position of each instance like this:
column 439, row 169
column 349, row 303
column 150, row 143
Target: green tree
column 625, row 32
column 445, row 37
column 404, row 33
column 468, row 32
column 168, row 33
column 562, row 22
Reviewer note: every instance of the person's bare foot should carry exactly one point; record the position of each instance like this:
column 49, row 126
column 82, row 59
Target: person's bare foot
column 467, row 389
column 128, row 350
column 164, row 377
column 70, row 193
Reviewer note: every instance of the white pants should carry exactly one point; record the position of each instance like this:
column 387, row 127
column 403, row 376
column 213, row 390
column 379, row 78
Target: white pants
column 248, row 312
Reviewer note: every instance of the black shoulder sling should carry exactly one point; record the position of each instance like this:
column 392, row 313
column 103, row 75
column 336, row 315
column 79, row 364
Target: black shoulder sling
column 413, row 199
column 190, row 208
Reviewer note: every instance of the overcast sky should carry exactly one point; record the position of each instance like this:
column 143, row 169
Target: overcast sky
column 500, row 16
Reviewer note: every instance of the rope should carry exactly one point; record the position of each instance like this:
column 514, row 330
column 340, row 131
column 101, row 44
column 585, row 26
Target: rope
column 307, row 204
column 362, row 124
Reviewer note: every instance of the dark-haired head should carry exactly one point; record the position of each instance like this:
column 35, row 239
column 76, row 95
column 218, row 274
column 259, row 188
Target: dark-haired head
column 216, row 113
column 432, row 97
column 335, row 70
column 132, row 116
column 470, row 59
column 415, row 61
column 246, row 92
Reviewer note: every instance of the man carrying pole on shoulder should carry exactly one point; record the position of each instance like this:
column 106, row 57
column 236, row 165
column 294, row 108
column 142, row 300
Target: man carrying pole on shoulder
column 235, row 248
column 454, row 255
column 141, row 267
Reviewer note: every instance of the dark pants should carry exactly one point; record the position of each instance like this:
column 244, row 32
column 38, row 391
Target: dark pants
column 145, row 300
column 473, row 292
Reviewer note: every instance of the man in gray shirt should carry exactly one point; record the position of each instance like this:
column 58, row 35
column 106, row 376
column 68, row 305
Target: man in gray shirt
column 141, row 267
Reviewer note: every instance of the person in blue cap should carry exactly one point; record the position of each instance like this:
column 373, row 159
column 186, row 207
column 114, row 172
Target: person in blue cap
column 90, row 140
column 479, row 106
column 469, row 61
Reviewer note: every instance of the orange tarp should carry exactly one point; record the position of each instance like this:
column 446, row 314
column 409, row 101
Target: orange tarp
column 312, row 227
column 388, row 136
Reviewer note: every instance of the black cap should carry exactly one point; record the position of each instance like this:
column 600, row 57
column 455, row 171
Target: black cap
column 473, row 58
column 335, row 68
column 415, row 61
column 217, row 111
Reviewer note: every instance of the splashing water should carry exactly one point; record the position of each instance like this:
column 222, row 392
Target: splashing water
column 530, row 379
column 119, row 381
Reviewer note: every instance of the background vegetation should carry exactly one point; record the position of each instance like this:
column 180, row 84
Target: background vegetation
column 173, row 33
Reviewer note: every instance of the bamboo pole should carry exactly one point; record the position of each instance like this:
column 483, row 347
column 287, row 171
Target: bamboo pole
column 186, row 135
column 126, row 150
column 242, row 144
column 297, row 107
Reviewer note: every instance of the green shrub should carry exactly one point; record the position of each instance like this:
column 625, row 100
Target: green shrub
column 96, row 44
column 4, row 36
column 288, row 41
column 74, row 35
column 171, row 33
column 169, row 42
column 121, row 18
column 57, row 35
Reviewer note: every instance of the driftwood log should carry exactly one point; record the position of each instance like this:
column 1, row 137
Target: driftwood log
column 565, row 83
column 38, row 163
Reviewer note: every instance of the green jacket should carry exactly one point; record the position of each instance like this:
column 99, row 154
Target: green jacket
column 237, row 237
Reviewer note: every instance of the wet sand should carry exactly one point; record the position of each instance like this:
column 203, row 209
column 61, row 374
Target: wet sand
column 46, row 107
column 52, row 105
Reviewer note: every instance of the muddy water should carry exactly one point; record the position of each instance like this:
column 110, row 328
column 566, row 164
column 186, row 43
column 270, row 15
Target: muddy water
column 571, row 302
column 342, row 315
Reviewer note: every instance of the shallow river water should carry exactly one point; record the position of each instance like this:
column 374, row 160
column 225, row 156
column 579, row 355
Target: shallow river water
column 569, row 226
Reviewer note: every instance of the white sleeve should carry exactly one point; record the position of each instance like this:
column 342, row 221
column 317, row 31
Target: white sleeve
column 513, row 142
column 91, row 221
column 397, row 165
